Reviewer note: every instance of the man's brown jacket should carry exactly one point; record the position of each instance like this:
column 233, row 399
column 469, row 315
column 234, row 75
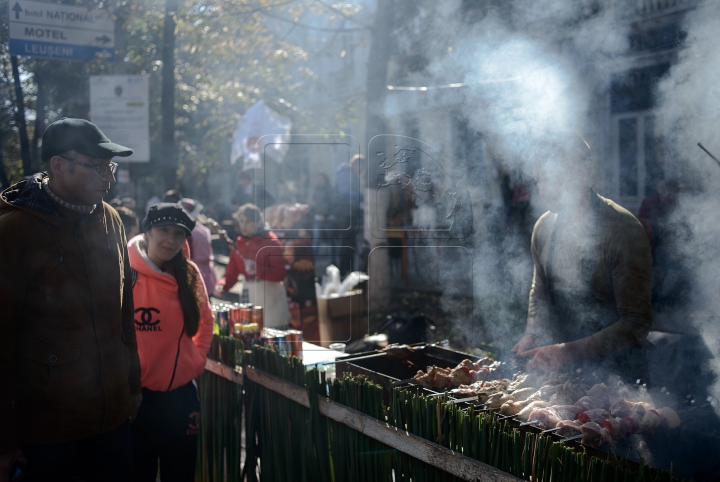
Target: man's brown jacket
column 68, row 357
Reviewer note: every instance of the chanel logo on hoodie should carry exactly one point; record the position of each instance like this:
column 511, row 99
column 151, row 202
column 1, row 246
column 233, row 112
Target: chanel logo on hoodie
column 146, row 322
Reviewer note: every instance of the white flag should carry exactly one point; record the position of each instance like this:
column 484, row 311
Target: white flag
column 260, row 122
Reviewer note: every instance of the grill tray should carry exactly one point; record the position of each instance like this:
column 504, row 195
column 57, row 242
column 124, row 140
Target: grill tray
column 387, row 371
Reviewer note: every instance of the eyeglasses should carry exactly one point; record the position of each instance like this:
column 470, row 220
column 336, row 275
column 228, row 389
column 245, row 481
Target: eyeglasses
column 100, row 171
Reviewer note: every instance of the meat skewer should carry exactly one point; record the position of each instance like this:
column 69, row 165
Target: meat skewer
column 589, row 403
column 466, row 372
column 619, row 428
column 569, row 428
column 397, row 352
column 549, row 417
column 598, row 415
column 594, row 435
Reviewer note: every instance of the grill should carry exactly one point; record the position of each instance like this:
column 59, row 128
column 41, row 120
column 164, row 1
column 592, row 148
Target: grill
column 392, row 373
column 388, row 372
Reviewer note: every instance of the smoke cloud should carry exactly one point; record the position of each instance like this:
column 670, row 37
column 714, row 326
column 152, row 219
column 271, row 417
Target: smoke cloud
column 531, row 71
column 690, row 113
column 534, row 72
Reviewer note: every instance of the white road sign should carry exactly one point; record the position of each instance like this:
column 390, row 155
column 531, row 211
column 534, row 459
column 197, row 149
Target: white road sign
column 60, row 31
column 119, row 107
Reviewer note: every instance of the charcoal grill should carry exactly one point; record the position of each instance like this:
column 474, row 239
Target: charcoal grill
column 388, row 372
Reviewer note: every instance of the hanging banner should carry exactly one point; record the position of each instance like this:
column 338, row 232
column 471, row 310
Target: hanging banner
column 53, row 31
column 258, row 121
column 119, row 107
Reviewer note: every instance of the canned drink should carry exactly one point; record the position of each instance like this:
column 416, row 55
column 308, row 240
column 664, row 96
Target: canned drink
column 282, row 344
column 290, row 343
column 294, row 339
column 246, row 314
column 258, row 317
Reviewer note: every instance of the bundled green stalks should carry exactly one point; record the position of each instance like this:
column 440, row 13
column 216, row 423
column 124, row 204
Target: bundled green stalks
column 221, row 403
column 357, row 457
column 292, row 441
column 296, row 443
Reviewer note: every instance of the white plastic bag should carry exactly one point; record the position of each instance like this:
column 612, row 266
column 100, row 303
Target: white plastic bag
column 331, row 284
column 351, row 281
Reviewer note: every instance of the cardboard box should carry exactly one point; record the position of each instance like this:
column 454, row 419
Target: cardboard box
column 343, row 318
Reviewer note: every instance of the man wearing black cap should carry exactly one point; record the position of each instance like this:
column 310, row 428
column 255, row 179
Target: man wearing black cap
column 69, row 369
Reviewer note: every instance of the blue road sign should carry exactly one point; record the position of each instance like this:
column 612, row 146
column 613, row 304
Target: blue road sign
column 65, row 32
column 59, row 51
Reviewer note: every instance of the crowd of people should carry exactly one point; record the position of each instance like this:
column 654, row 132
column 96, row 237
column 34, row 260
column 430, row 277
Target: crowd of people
column 107, row 317
column 107, row 320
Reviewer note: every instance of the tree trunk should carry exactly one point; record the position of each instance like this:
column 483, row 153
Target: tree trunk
column 20, row 118
column 39, row 130
column 167, row 104
column 121, row 16
column 378, row 60
column 4, row 182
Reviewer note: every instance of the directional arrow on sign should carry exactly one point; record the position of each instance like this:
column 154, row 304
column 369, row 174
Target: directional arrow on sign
column 104, row 39
column 17, row 9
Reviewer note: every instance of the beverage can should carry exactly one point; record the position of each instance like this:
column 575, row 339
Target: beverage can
column 258, row 317
column 282, row 344
column 247, row 312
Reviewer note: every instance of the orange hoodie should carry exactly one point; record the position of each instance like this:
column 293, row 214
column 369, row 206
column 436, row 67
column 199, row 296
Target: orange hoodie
column 169, row 358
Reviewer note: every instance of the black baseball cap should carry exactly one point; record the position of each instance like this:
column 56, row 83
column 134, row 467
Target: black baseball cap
column 169, row 214
column 81, row 136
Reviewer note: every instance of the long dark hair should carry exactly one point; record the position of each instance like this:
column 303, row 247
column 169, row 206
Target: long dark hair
column 186, row 277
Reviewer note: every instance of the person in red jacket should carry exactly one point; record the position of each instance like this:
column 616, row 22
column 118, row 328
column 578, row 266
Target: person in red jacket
column 260, row 259
column 173, row 324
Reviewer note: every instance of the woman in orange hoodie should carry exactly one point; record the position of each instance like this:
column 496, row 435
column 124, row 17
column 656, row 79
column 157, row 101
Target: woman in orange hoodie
column 173, row 324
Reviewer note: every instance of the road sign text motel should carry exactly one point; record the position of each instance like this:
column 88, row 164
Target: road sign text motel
column 45, row 33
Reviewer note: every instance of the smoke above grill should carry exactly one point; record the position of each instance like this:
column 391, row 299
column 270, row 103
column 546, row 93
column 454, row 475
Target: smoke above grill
column 529, row 76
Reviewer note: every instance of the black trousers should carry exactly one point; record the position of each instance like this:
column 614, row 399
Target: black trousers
column 106, row 457
column 166, row 429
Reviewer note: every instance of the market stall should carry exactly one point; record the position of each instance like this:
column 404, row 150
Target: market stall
column 299, row 425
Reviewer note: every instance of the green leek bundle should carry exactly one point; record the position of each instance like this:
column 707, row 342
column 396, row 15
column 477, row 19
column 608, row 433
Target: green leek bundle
column 295, row 443
column 221, row 404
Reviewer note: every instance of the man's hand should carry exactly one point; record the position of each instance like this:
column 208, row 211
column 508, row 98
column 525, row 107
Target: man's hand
column 135, row 410
column 7, row 461
column 526, row 343
column 546, row 359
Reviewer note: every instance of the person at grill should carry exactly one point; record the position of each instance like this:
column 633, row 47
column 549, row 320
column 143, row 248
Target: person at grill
column 174, row 324
column 69, row 368
column 259, row 258
column 590, row 299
